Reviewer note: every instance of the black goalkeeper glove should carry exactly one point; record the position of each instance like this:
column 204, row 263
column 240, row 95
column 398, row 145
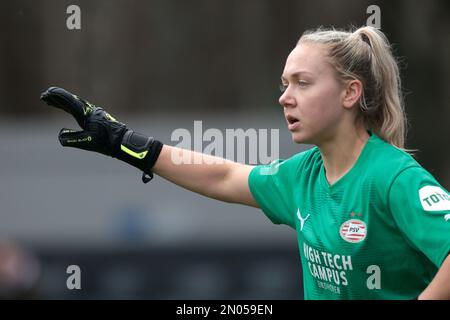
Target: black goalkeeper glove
column 102, row 133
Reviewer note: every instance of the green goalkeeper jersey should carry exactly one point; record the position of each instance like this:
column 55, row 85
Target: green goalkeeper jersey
column 380, row 232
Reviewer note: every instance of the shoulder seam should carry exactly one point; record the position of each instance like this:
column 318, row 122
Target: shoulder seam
column 389, row 193
column 308, row 153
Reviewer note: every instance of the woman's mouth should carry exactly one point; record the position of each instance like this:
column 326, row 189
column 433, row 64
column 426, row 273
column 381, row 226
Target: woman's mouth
column 292, row 121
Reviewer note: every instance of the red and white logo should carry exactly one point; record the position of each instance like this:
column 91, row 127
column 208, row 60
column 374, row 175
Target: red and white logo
column 353, row 230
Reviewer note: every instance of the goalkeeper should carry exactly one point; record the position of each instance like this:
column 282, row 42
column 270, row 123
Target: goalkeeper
column 371, row 223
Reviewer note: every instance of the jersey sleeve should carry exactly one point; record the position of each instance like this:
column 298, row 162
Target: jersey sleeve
column 273, row 187
column 421, row 208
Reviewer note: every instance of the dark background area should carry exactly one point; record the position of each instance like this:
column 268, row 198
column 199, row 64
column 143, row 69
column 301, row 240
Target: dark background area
column 157, row 66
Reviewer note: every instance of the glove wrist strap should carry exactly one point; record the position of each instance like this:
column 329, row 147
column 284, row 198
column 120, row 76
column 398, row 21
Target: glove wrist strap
column 139, row 151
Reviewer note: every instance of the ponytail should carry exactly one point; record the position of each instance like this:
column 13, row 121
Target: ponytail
column 366, row 55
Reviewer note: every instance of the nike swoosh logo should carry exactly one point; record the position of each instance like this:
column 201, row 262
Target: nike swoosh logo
column 302, row 220
column 447, row 217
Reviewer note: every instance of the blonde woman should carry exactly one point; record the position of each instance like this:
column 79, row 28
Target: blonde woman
column 371, row 222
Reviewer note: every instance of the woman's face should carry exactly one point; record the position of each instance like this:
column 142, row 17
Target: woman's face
column 312, row 97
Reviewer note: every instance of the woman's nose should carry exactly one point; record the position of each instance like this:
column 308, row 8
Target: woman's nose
column 286, row 99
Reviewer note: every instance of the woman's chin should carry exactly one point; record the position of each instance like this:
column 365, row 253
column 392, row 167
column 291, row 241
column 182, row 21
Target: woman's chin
column 298, row 138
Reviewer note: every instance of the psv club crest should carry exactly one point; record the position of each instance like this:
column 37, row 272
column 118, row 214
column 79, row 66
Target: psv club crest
column 353, row 230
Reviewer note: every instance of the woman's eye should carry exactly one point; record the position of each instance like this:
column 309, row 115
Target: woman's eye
column 303, row 83
column 283, row 87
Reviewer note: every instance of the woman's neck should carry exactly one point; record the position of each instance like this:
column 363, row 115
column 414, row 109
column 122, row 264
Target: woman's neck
column 340, row 154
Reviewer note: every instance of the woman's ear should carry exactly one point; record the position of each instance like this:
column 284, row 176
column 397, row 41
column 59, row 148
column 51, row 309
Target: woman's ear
column 352, row 92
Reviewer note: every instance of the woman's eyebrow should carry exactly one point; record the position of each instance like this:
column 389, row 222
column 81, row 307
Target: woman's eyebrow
column 296, row 75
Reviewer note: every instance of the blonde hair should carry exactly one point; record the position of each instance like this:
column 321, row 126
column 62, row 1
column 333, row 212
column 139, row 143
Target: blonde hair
column 365, row 54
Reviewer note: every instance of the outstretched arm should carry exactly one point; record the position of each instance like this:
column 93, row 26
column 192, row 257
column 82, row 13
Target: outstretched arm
column 207, row 175
column 210, row 176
